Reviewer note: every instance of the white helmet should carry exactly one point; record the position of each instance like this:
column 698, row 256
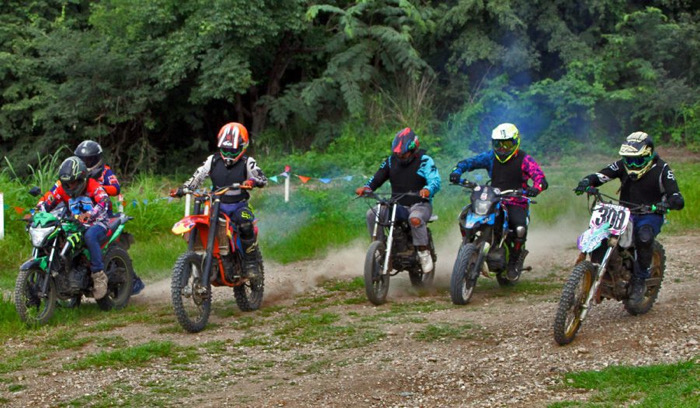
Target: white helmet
column 637, row 153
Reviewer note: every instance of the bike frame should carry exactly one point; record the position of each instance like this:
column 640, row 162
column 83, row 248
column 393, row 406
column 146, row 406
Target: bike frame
column 205, row 227
column 487, row 221
column 608, row 221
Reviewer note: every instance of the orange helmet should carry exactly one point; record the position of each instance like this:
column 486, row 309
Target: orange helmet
column 232, row 142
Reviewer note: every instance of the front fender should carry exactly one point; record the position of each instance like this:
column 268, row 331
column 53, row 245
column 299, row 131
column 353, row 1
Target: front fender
column 42, row 262
column 474, row 220
column 188, row 223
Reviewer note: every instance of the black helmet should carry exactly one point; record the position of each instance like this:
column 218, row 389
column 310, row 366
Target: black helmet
column 91, row 153
column 73, row 176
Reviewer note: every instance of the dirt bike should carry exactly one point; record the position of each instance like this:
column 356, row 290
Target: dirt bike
column 58, row 271
column 486, row 241
column 604, row 266
column 214, row 257
column 392, row 249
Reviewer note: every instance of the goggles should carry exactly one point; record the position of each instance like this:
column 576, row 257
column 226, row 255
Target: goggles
column 504, row 145
column 231, row 153
column 636, row 161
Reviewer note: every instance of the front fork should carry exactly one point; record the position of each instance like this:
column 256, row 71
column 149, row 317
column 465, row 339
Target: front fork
column 209, row 253
column 599, row 278
column 389, row 238
column 49, row 267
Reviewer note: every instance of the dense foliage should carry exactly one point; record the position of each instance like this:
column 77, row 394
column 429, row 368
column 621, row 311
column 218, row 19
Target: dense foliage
column 153, row 80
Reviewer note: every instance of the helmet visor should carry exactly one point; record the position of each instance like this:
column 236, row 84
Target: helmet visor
column 90, row 161
column 636, row 161
column 230, row 152
column 504, row 146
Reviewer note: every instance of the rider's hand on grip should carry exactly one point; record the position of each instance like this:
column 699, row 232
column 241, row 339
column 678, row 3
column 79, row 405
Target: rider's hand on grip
column 531, row 192
column 248, row 184
column 582, row 187
column 178, row 193
column 360, row 191
column 455, row 177
column 424, row 193
column 661, row 207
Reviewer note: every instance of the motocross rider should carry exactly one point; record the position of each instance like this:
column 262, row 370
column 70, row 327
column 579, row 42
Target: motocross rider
column 74, row 182
column 228, row 166
column 509, row 168
column 91, row 153
column 645, row 179
column 408, row 169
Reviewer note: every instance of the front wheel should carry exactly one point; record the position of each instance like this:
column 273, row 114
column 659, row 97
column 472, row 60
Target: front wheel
column 121, row 279
column 658, row 267
column 376, row 283
column 32, row 307
column 249, row 295
column 571, row 305
column 191, row 299
column 464, row 274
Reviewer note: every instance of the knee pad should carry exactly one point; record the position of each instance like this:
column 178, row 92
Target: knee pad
column 415, row 221
column 246, row 229
column 520, row 231
column 645, row 235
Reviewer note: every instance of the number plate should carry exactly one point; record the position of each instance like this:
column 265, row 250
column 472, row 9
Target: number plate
column 616, row 216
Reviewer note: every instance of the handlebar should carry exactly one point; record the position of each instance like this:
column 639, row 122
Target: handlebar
column 516, row 193
column 635, row 208
column 205, row 193
column 388, row 198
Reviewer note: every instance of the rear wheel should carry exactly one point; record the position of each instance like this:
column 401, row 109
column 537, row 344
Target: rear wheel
column 191, row 299
column 33, row 308
column 376, row 284
column 121, row 279
column 464, row 274
column 249, row 295
column 568, row 318
column 658, row 267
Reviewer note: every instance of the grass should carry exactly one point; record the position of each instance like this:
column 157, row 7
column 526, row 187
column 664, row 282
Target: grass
column 664, row 385
column 444, row 332
column 136, row 356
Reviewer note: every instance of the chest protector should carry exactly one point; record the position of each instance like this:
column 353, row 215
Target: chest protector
column 649, row 189
column 222, row 176
column 406, row 178
column 508, row 175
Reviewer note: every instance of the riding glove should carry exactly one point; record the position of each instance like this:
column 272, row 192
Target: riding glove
column 582, row 186
column 531, row 192
column 454, row 177
column 360, row 191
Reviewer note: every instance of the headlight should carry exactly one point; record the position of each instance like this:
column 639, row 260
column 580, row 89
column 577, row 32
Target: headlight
column 39, row 235
column 481, row 207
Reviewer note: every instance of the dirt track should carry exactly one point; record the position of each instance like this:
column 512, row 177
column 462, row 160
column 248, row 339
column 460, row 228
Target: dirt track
column 507, row 358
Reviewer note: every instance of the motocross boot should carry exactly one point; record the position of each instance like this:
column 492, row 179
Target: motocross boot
column 426, row 261
column 637, row 289
column 99, row 284
column 250, row 258
column 515, row 264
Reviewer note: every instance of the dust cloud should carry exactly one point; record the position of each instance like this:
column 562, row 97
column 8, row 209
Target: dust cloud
column 549, row 245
